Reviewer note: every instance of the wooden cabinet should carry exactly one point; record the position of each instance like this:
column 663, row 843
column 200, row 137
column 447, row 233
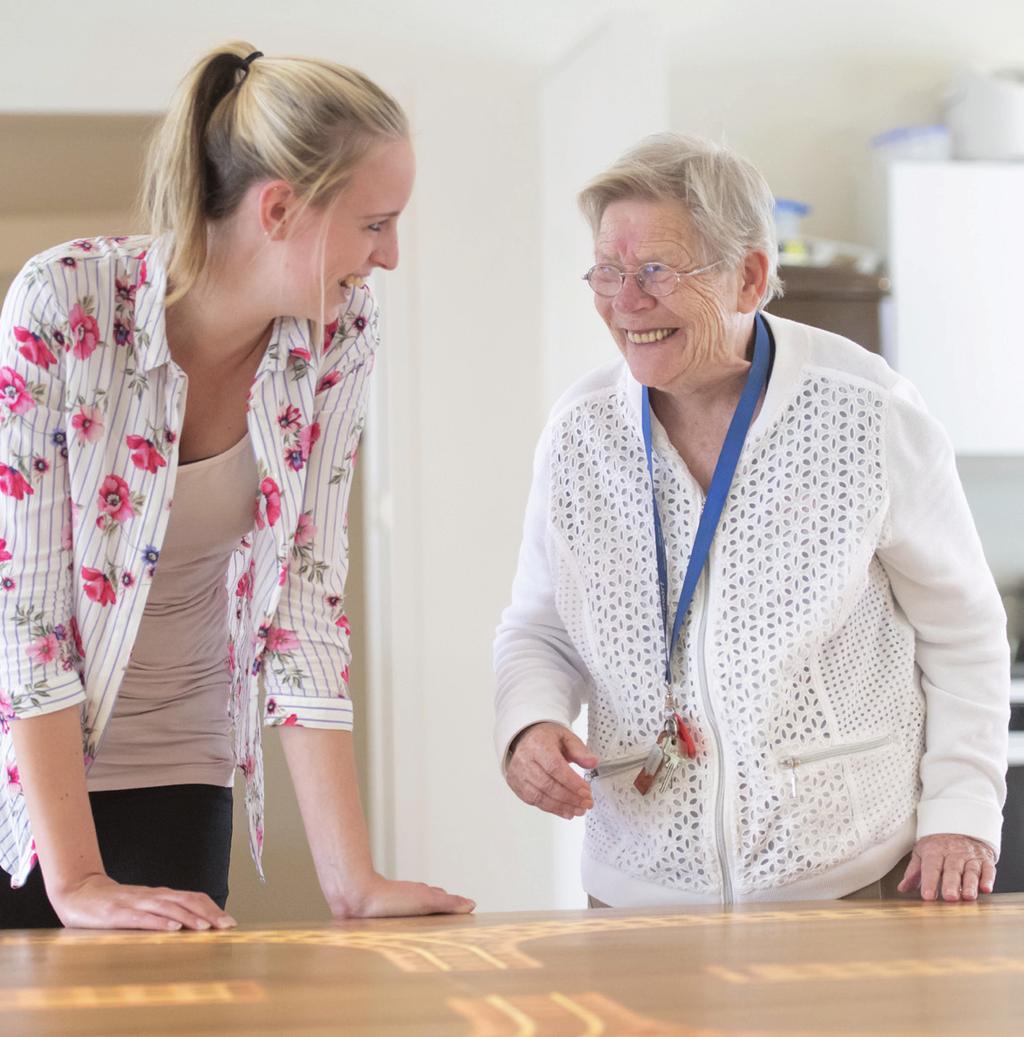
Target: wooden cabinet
column 835, row 298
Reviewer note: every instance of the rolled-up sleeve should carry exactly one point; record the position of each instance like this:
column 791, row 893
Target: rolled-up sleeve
column 311, row 625
column 940, row 579
column 40, row 662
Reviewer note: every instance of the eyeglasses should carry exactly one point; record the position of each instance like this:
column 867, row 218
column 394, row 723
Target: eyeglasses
column 653, row 278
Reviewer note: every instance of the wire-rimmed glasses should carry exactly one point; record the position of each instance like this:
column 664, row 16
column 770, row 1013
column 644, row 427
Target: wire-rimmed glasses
column 655, row 279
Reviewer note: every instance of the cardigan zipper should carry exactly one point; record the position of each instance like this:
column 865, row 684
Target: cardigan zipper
column 847, row 749
column 702, row 679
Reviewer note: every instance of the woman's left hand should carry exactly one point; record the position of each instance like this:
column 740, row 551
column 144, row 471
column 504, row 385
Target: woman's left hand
column 956, row 867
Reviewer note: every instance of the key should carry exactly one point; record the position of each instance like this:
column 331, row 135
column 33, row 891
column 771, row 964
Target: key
column 673, row 758
column 649, row 772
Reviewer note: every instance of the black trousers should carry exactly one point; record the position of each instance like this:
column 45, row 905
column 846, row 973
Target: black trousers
column 175, row 835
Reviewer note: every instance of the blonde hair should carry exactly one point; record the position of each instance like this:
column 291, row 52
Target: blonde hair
column 729, row 201
column 235, row 121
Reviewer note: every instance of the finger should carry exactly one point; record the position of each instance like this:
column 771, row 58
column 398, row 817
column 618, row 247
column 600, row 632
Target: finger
column 551, row 786
column 449, row 904
column 202, row 905
column 988, row 876
column 912, row 876
column 576, row 751
column 931, row 873
column 129, row 918
column 969, row 882
column 555, row 768
column 538, row 797
column 952, row 877
column 171, row 909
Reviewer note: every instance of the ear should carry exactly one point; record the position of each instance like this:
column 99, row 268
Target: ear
column 754, row 280
column 276, row 204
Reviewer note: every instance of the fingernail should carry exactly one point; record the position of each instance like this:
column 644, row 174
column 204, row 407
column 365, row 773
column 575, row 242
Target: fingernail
column 174, row 926
column 203, row 924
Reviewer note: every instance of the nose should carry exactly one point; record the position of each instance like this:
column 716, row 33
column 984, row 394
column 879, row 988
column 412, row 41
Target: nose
column 631, row 297
column 385, row 255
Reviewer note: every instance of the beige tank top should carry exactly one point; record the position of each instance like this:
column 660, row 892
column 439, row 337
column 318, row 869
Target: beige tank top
column 170, row 723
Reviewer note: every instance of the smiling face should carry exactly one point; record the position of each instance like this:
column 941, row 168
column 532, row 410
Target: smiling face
column 354, row 234
column 665, row 338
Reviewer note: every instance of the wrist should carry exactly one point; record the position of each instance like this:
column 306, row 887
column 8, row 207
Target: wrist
column 348, row 899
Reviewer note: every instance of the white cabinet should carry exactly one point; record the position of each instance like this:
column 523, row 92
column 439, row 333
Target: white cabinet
column 956, row 251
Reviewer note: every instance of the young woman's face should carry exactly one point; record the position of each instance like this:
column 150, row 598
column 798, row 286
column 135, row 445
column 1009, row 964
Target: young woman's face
column 354, row 234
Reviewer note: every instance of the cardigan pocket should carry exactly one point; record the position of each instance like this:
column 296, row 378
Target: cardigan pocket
column 795, row 761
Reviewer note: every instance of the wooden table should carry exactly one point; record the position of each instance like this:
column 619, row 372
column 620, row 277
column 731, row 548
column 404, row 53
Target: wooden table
column 849, row 968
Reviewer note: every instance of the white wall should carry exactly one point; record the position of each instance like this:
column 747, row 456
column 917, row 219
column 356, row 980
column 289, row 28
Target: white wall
column 800, row 87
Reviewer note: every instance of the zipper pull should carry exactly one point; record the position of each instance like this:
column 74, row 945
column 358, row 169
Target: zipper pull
column 791, row 763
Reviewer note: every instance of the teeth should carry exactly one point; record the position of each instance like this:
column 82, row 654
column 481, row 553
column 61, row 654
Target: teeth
column 354, row 282
column 644, row 338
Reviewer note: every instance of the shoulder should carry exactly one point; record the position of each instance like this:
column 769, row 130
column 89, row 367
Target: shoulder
column 86, row 266
column 595, row 387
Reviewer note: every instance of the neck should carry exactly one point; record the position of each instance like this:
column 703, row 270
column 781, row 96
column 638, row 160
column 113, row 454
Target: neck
column 716, row 383
column 220, row 319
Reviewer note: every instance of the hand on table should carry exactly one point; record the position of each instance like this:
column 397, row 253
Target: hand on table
column 539, row 772
column 98, row 902
column 953, row 867
column 386, row 898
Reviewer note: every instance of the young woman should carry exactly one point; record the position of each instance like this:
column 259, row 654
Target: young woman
column 221, row 364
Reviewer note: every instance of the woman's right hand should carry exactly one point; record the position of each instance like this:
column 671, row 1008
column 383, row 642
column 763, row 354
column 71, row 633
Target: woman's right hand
column 98, row 902
column 539, row 772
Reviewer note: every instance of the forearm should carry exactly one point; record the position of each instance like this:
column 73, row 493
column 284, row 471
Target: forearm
column 322, row 766
column 52, row 773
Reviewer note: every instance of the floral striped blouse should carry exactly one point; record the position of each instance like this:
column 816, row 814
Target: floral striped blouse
column 91, row 408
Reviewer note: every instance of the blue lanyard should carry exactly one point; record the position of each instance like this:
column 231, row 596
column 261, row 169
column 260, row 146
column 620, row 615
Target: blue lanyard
column 718, row 491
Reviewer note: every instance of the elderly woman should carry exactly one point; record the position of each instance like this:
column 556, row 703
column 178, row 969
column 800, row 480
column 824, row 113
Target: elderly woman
column 747, row 549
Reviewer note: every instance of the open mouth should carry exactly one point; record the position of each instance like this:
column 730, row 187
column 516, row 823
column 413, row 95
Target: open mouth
column 352, row 281
column 646, row 338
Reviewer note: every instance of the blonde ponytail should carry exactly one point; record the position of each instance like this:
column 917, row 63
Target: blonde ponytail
column 234, row 122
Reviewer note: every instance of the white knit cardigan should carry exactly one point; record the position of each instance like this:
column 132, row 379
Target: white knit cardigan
column 844, row 668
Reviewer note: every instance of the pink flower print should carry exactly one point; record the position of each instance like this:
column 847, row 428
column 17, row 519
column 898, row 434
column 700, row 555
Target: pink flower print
column 5, row 555
column 333, row 600
column 67, row 535
column 145, row 454
column 289, row 418
column 13, row 483
column 291, row 720
column 272, row 497
column 328, row 380
column 124, row 291
column 85, row 332
column 12, row 392
column 299, row 353
column 232, row 665
column 40, row 465
column 307, row 439
column 76, row 636
column 83, row 245
column 124, row 332
column 13, row 778
column 44, row 649
column 97, row 587
column 282, row 576
column 271, row 707
column 114, row 499
column 342, row 621
column 6, row 711
column 344, row 677
column 359, row 323
column 127, row 579
column 7, row 584
column 330, row 330
column 306, row 531
column 142, row 268
column 280, row 640
column 87, row 423
column 294, row 459
column 33, row 348
column 259, row 837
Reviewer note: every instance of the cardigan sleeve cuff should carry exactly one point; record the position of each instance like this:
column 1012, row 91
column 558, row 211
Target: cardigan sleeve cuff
column 970, row 817
column 62, row 694
column 518, row 717
column 331, row 714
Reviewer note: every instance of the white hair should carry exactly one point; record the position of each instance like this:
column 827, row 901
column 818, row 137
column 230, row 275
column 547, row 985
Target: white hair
column 729, row 201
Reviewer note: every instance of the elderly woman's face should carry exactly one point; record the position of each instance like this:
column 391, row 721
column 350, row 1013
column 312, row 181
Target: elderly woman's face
column 663, row 337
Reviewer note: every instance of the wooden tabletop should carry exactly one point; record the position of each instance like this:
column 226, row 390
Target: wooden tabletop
column 811, row 969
